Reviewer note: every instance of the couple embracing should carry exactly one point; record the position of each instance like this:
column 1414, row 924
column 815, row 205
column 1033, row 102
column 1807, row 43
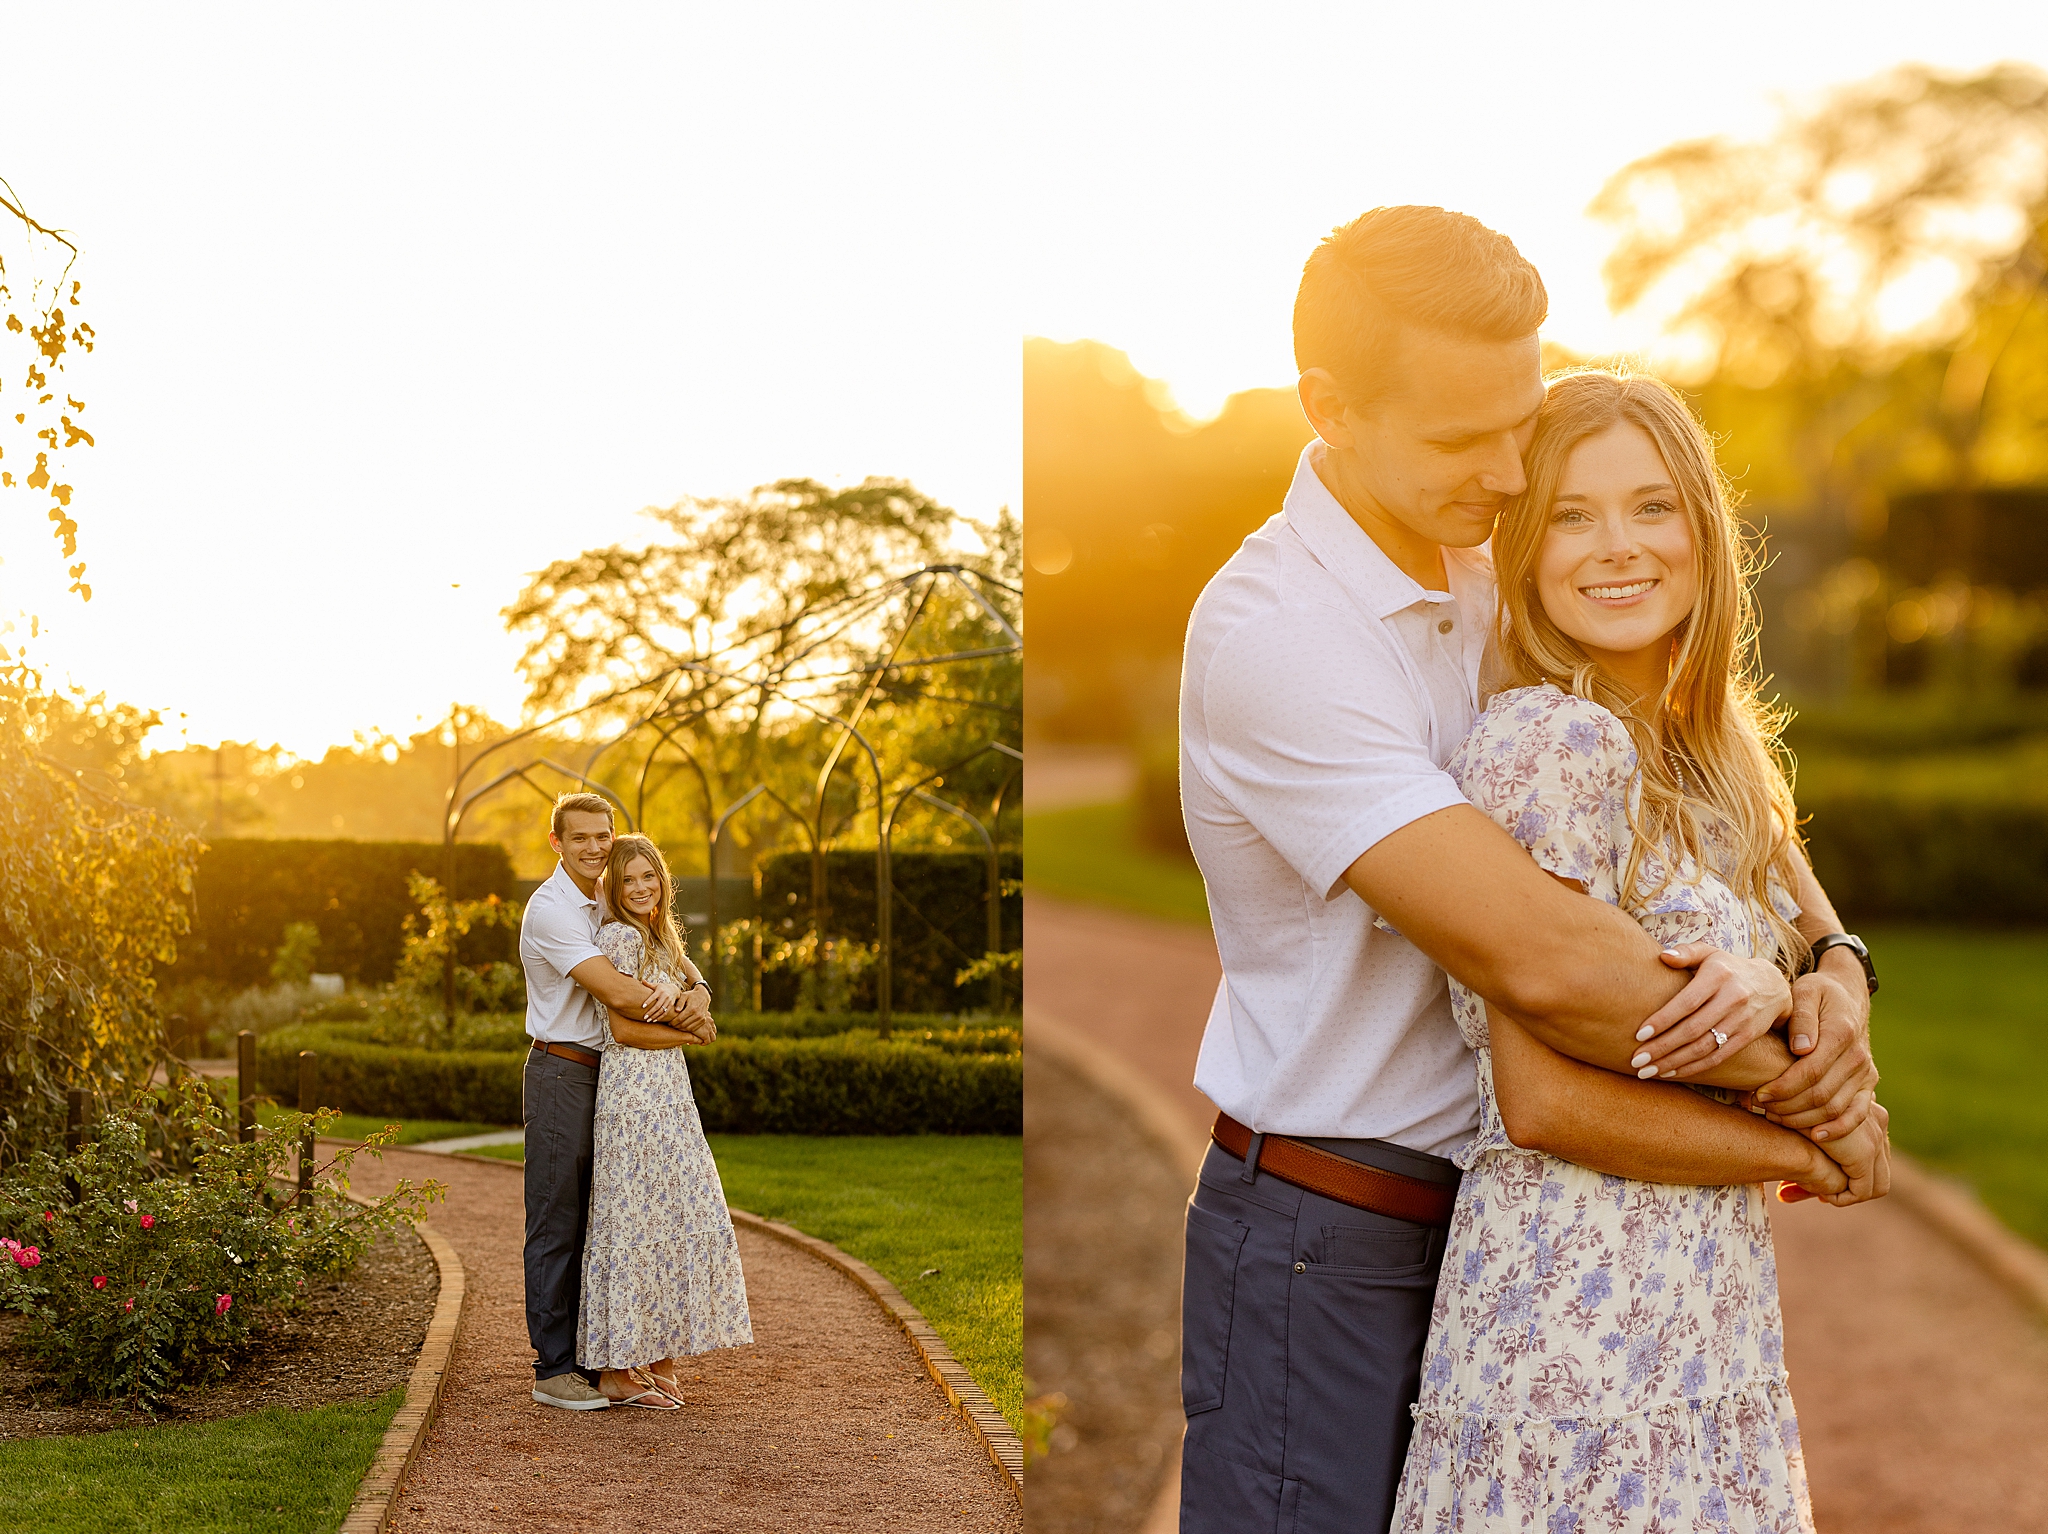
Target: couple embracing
column 1530, row 995
column 631, row 1261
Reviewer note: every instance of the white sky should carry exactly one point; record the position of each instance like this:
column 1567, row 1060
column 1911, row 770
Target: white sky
column 394, row 297
column 1184, row 158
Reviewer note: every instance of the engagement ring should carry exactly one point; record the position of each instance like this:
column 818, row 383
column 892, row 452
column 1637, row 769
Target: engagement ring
column 1720, row 1038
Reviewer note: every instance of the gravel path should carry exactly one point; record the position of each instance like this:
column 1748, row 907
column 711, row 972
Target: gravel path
column 827, row 1422
column 1922, row 1387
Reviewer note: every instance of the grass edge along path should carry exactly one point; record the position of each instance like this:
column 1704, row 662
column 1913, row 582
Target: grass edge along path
column 276, row 1471
column 904, row 1204
column 1959, row 1023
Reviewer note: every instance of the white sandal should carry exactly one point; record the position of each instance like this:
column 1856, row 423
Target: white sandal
column 672, row 1387
column 662, row 1401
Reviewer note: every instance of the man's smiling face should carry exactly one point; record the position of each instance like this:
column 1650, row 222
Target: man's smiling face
column 585, row 842
column 1442, row 451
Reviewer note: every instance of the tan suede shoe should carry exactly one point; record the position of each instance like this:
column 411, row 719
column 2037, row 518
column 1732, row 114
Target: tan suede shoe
column 571, row 1392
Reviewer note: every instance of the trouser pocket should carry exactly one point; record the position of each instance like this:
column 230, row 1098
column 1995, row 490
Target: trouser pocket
column 1355, row 1337
column 1208, row 1297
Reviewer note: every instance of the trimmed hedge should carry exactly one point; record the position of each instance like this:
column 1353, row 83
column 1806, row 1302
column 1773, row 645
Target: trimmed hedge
column 246, row 892
column 1960, row 857
column 1961, row 861
column 940, row 922
column 852, row 1083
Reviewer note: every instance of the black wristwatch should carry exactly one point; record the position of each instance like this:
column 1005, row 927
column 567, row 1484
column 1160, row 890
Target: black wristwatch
column 1854, row 944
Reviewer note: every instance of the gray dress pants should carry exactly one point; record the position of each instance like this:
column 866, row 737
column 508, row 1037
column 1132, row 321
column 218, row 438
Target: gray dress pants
column 1302, row 1327
column 559, row 1100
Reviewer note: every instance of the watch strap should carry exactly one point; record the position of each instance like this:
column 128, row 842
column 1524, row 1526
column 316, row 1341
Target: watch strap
column 1855, row 945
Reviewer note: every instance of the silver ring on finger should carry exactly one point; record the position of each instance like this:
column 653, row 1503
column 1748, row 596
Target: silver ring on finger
column 1720, row 1038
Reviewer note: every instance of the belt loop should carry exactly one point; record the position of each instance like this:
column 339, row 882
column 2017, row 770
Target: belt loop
column 1251, row 1158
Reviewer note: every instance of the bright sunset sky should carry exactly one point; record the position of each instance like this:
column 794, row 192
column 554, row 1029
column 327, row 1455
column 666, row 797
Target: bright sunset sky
column 397, row 303
column 396, row 297
column 1184, row 159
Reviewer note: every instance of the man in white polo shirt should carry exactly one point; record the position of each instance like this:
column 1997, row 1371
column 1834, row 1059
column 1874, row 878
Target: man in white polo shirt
column 1331, row 668
column 564, row 972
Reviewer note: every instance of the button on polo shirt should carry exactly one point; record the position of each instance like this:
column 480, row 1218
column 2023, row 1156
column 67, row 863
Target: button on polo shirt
column 1322, row 692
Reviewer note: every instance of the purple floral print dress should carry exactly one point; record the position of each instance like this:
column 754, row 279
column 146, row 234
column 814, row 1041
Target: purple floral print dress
column 661, row 1266
column 1604, row 1355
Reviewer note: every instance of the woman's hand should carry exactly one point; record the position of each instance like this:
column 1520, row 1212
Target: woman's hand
column 1865, row 1158
column 661, row 1006
column 1740, row 997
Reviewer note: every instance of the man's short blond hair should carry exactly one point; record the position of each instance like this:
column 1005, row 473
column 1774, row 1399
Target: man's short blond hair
column 1424, row 267
column 580, row 804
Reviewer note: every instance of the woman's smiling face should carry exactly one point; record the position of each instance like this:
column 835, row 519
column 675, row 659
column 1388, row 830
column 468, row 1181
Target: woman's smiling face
column 1618, row 570
column 640, row 887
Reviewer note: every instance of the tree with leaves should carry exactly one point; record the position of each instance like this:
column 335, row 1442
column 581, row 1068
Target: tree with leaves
column 789, row 591
column 39, row 416
column 1855, row 285
column 1902, row 214
column 94, row 894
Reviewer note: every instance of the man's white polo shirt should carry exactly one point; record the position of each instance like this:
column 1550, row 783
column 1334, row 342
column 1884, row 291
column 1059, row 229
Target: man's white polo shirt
column 558, row 932
column 1322, row 691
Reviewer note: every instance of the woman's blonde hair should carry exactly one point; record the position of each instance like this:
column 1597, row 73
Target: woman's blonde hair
column 1709, row 715
column 660, row 935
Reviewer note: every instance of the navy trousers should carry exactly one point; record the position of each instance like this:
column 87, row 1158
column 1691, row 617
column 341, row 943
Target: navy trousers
column 1302, row 1327
column 559, row 1100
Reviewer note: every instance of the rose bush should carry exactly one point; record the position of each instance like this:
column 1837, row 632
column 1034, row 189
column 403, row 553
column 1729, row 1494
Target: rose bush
column 138, row 1278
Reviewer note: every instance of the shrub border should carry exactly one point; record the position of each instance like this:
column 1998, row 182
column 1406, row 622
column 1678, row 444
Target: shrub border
column 376, row 1496
column 967, row 1398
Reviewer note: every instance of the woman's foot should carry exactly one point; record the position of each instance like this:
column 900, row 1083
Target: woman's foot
column 635, row 1387
column 663, row 1373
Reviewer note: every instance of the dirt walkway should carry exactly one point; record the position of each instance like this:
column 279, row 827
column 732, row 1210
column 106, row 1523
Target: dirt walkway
column 827, row 1422
column 1922, row 1388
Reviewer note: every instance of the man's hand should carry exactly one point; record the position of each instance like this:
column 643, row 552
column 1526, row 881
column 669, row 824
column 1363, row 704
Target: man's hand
column 1741, row 997
column 1865, row 1157
column 1827, row 1093
column 694, row 1016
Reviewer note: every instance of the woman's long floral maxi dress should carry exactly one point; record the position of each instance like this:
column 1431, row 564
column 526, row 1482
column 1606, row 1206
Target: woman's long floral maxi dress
column 661, row 1266
column 1604, row 1355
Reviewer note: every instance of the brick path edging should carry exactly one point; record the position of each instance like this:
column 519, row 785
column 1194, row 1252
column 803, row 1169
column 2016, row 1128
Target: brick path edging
column 987, row 1424
column 968, row 1399
column 1173, row 1133
column 377, row 1496
column 1957, row 1214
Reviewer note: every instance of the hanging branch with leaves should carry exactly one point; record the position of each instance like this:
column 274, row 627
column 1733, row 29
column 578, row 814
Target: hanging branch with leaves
column 38, row 413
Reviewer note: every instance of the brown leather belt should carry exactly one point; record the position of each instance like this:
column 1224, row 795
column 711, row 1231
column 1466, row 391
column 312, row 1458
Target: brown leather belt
column 589, row 1057
column 1348, row 1182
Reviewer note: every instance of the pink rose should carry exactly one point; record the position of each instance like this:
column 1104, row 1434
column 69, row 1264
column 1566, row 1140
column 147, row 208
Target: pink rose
column 221, row 1302
column 99, row 1281
column 49, row 1215
column 127, row 1304
column 28, row 1257
column 128, row 1204
column 10, row 1243
column 148, row 1220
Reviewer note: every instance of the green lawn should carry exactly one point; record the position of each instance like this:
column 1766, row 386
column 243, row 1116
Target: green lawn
column 905, row 1204
column 274, row 1472
column 1961, row 1024
column 1091, row 853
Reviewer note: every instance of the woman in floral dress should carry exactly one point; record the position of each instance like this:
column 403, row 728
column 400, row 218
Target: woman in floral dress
column 1607, row 1354
column 661, row 1266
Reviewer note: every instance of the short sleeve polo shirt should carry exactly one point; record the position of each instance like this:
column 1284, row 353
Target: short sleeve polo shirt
column 1322, row 692
column 557, row 932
